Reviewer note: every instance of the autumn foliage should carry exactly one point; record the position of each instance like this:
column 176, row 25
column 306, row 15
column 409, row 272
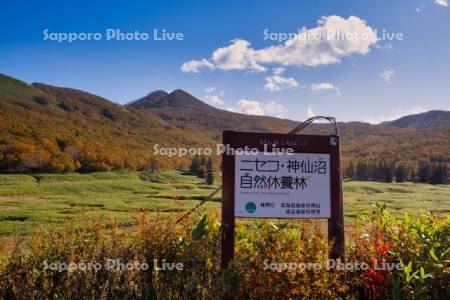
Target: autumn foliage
column 419, row 244
column 51, row 129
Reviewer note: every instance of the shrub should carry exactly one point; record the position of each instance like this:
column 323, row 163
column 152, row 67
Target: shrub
column 65, row 106
column 108, row 114
column 419, row 244
column 40, row 100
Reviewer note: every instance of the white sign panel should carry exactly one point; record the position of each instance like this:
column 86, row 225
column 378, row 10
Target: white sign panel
column 295, row 185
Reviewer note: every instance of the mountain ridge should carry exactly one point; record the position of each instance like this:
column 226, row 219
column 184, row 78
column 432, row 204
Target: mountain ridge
column 155, row 100
column 428, row 119
column 53, row 129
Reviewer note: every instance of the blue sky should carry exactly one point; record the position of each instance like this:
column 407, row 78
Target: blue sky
column 225, row 60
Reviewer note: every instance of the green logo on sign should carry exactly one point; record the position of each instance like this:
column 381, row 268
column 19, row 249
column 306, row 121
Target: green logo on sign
column 250, row 207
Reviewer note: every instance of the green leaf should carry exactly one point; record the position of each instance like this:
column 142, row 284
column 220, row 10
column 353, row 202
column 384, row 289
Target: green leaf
column 433, row 255
column 422, row 273
column 201, row 229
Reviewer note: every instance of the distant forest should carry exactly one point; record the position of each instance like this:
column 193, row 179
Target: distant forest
column 383, row 171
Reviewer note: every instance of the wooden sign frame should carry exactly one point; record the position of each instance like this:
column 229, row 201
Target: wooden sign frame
column 325, row 144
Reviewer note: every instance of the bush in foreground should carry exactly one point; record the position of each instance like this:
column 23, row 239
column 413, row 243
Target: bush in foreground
column 262, row 269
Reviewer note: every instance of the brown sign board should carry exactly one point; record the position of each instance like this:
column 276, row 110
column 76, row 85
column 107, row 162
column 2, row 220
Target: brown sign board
column 287, row 176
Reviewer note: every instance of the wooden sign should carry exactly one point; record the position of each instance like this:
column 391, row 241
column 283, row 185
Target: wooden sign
column 285, row 176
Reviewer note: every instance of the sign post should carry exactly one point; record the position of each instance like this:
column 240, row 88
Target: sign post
column 285, row 176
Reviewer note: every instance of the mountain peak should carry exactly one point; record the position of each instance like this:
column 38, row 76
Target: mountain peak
column 158, row 94
column 176, row 99
column 179, row 92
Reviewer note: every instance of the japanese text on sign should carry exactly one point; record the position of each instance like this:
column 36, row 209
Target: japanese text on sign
column 295, row 185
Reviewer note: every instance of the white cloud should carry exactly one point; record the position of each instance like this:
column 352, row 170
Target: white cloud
column 277, row 83
column 387, row 75
column 273, row 108
column 310, row 112
column 214, row 99
column 278, row 71
column 194, row 66
column 401, row 113
column 331, row 40
column 441, row 2
column 249, row 107
column 253, row 107
column 237, row 56
column 325, row 86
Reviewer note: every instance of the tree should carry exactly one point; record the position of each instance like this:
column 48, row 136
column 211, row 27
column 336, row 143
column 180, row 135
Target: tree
column 40, row 100
column 362, row 171
column 350, row 171
column 108, row 114
column 438, row 175
column 202, row 171
column 413, row 175
column 153, row 164
column 400, row 173
column 387, row 171
column 445, row 174
column 209, row 172
column 65, row 106
column 375, row 171
column 423, row 172
column 195, row 165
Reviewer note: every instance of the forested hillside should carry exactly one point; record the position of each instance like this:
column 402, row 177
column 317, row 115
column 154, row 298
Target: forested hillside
column 51, row 129
column 404, row 146
column 45, row 128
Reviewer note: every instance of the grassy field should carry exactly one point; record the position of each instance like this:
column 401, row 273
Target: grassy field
column 29, row 203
